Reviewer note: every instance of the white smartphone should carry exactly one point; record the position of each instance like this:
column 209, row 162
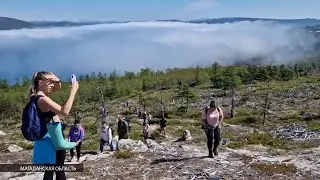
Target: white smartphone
column 73, row 78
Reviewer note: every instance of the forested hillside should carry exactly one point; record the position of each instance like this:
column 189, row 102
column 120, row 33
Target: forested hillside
column 174, row 83
column 272, row 111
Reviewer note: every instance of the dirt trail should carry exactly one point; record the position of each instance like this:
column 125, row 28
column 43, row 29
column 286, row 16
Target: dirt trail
column 183, row 160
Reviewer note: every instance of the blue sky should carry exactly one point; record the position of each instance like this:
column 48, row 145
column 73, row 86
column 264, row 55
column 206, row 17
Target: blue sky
column 144, row 10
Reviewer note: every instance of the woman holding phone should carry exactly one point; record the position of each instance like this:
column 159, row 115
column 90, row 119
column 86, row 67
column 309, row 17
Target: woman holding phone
column 43, row 84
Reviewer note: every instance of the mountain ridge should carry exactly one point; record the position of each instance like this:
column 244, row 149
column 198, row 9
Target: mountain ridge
column 8, row 23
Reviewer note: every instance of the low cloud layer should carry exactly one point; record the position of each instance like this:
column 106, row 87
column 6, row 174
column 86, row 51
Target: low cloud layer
column 136, row 45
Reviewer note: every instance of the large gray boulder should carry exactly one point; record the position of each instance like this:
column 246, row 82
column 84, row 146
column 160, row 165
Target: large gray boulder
column 154, row 146
column 132, row 145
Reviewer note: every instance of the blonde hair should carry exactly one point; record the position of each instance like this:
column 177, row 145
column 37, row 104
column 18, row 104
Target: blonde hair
column 34, row 82
column 120, row 118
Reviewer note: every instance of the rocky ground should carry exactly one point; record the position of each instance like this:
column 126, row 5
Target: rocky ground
column 293, row 116
column 184, row 160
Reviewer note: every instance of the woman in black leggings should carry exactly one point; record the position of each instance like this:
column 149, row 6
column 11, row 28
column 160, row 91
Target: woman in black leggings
column 43, row 84
column 60, row 175
column 60, row 158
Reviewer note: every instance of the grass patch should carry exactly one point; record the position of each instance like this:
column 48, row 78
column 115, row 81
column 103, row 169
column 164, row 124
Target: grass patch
column 88, row 171
column 197, row 133
column 313, row 126
column 173, row 122
column 136, row 131
column 26, row 146
column 175, row 131
column 266, row 139
column 91, row 143
column 193, row 114
column 251, row 119
column 278, row 85
column 155, row 135
column 257, row 138
column 241, row 112
column 289, row 116
column 274, row 168
column 236, row 145
column 136, row 135
column 16, row 136
column 182, row 113
column 307, row 144
column 91, row 138
column 123, row 154
column 232, row 134
column 195, row 130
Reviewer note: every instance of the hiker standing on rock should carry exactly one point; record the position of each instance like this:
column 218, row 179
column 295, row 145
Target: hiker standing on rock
column 212, row 118
column 76, row 134
column 123, row 128
column 106, row 136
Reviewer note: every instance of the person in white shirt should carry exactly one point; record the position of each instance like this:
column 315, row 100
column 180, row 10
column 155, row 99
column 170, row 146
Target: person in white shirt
column 106, row 136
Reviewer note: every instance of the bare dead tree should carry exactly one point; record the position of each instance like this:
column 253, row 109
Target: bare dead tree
column 266, row 104
column 142, row 102
column 232, row 113
column 102, row 116
column 163, row 106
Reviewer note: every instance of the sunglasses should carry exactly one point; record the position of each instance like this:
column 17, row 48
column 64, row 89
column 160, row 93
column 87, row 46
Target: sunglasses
column 53, row 81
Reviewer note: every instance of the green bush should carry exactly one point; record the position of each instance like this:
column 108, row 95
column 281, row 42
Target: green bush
column 155, row 135
column 252, row 119
column 290, row 117
column 24, row 145
column 193, row 114
column 136, row 134
column 266, row 139
column 274, row 168
column 181, row 111
column 240, row 111
column 261, row 138
column 123, row 154
column 127, row 112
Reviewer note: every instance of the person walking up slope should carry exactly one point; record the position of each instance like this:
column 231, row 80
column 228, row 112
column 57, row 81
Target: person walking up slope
column 106, row 136
column 76, row 134
column 212, row 118
column 123, row 128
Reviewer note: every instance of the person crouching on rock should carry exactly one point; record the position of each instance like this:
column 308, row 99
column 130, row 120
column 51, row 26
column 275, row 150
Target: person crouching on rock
column 106, row 136
column 123, row 128
column 76, row 134
column 212, row 118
